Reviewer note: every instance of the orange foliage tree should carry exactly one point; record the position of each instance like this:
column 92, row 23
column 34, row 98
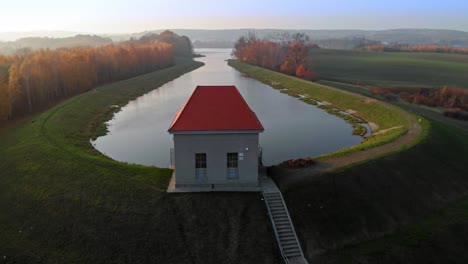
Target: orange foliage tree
column 290, row 55
column 31, row 81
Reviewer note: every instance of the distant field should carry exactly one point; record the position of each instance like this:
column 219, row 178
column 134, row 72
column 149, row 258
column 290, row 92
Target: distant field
column 391, row 68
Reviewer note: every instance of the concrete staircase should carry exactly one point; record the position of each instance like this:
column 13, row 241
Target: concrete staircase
column 281, row 222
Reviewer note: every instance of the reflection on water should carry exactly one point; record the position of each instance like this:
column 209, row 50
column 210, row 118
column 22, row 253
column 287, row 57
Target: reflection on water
column 293, row 129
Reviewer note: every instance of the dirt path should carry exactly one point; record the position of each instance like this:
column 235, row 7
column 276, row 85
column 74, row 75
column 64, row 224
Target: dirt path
column 414, row 128
column 333, row 163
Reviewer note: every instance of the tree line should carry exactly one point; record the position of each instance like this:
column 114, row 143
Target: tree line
column 288, row 54
column 181, row 45
column 32, row 81
column 447, row 97
column 395, row 47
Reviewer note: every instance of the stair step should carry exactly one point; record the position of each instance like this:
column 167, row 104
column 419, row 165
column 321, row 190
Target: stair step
column 277, row 212
column 277, row 207
column 280, row 215
column 276, row 204
column 290, row 242
column 287, row 237
column 276, row 200
column 293, row 255
column 291, row 246
column 290, row 251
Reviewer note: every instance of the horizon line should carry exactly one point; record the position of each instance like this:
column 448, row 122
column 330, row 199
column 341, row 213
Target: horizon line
column 221, row 29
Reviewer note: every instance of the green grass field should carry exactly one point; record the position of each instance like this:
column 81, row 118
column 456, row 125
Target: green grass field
column 385, row 116
column 391, row 68
column 61, row 201
column 408, row 207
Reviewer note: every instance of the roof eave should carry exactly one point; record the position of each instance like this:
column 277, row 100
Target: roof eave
column 204, row 132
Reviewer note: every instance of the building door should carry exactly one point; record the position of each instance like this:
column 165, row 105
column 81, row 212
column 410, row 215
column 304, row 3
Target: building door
column 232, row 172
column 200, row 167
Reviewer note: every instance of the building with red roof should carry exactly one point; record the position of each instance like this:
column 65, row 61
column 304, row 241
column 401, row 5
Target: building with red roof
column 216, row 137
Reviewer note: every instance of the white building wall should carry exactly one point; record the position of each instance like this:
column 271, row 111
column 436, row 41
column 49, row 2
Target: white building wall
column 216, row 147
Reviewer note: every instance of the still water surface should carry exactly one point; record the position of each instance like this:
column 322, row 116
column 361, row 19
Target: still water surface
column 293, row 129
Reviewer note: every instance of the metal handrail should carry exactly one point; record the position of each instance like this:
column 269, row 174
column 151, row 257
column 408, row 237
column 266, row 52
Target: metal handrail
column 283, row 254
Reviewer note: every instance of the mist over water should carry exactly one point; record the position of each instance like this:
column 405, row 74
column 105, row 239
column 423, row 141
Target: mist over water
column 293, row 129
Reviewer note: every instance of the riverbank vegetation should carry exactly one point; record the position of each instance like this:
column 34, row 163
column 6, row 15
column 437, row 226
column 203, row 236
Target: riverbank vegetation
column 385, row 118
column 63, row 201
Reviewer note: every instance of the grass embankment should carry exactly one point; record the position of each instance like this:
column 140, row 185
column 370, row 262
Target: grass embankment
column 61, row 201
column 391, row 68
column 408, row 207
column 388, row 118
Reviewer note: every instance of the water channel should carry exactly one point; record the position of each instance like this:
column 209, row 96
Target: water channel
column 293, row 129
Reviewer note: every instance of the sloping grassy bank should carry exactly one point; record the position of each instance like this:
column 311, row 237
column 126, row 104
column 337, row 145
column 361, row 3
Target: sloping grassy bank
column 388, row 118
column 408, row 207
column 61, row 201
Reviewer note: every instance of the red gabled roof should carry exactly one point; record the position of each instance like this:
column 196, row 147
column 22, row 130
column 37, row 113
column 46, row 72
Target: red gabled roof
column 215, row 108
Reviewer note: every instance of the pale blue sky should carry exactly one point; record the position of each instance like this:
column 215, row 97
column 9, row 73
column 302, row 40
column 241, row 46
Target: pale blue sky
column 113, row 16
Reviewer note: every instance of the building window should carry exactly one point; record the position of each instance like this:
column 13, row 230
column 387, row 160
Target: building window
column 232, row 166
column 200, row 167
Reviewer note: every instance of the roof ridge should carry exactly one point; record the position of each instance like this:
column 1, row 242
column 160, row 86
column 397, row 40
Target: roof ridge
column 233, row 114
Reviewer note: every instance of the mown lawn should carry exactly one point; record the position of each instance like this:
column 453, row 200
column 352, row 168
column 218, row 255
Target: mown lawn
column 61, row 201
column 391, row 68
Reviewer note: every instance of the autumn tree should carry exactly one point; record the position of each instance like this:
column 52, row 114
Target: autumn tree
column 34, row 80
column 286, row 53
